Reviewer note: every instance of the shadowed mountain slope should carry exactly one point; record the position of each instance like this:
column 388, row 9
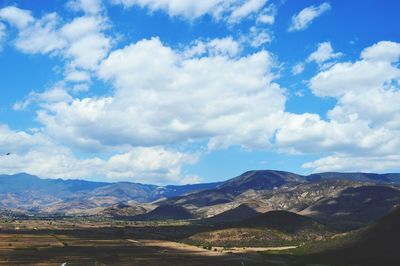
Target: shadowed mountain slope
column 165, row 212
column 377, row 244
column 274, row 228
column 283, row 221
column 235, row 215
column 355, row 206
column 273, row 190
column 228, row 190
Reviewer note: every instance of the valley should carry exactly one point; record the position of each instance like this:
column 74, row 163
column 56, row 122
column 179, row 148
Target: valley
column 258, row 218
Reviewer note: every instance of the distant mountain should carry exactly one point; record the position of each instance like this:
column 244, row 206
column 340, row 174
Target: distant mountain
column 22, row 183
column 355, row 206
column 122, row 210
column 259, row 180
column 226, row 192
column 285, row 191
column 390, row 178
column 341, row 203
column 126, row 191
column 267, row 189
column 28, row 192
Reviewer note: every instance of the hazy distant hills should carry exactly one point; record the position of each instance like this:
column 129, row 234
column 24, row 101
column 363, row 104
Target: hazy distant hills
column 348, row 200
column 24, row 191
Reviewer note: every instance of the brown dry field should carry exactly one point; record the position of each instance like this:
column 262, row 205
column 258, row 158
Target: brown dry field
column 101, row 243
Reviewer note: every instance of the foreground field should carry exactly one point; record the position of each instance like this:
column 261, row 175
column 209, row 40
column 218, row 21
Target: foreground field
column 103, row 247
column 89, row 242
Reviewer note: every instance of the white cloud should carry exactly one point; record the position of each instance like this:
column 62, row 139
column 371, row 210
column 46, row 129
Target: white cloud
column 51, row 96
column 247, row 8
column 91, row 7
column 344, row 78
column 308, row 133
column 157, row 164
column 82, row 42
column 37, row 154
column 19, row 141
column 267, row 15
column 74, row 75
column 231, row 10
column 305, row 17
column 17, row 17
column 323, row 53
column 343, row 162
column 298, row 68
column 162, row 97
column 382, row 51
column 224, row 47
column 40, row 36
column 364, row 124
column 258, row 37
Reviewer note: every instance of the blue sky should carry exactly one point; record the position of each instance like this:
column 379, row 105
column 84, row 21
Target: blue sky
column 170, row 92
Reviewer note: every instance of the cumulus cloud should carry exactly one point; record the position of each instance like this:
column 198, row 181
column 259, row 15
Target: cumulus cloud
column 162, row 97
column 247, row 8
column 37, row 154
column 206, row 92
column 81, row 41
column 344, row 162
column 223, row 46
column 305, row 17
column 323, row 53
column 365, row 123
column 382, row 51
column 51, row 96
column 40, row 36
column 17, row 17
column 91, row 7
column 232, row 11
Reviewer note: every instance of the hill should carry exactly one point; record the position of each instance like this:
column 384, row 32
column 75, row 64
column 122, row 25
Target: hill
column 376, row 244
column 165, row 212
column 274, row 228
column 122, row 210
column 235, row 215
column 283, row 221
column 312, row 195
column 355, row 206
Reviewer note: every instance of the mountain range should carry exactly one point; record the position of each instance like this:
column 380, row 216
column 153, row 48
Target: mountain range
column 343, row 200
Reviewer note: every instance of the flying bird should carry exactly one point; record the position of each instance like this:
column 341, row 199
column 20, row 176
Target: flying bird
column 8, row 153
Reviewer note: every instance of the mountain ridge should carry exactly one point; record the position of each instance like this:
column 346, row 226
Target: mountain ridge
column 269, row 189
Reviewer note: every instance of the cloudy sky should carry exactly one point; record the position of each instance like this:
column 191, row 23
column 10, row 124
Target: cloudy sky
column 185, row 91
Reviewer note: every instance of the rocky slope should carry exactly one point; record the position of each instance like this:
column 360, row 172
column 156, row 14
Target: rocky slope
column 365, row 197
